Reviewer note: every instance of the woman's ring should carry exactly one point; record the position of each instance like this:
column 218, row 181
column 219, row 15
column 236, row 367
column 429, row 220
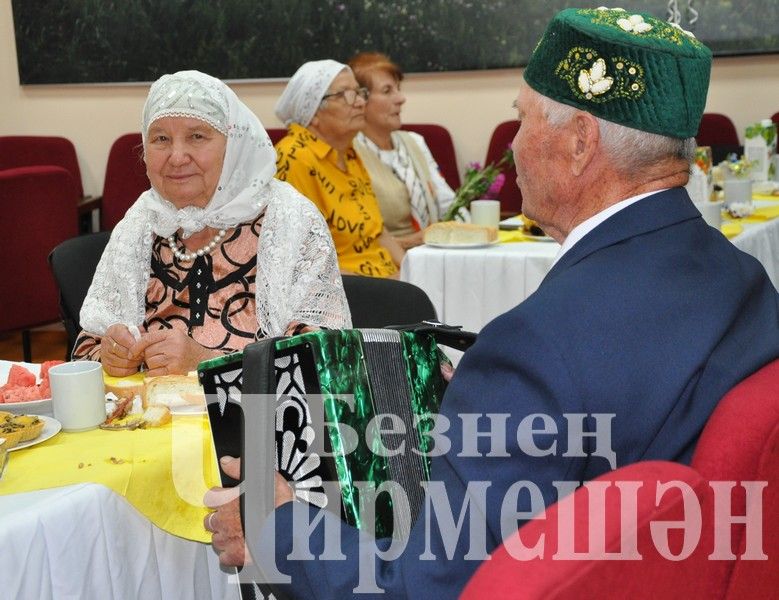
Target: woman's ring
column 208, row 522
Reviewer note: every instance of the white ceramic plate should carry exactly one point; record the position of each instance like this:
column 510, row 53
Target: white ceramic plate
column 33, row 407
column 539, row 238
column 188, row 409
column 51, row 427
column 462, row 246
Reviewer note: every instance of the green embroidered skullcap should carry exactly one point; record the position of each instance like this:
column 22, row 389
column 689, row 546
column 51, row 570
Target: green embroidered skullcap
column 632, row 69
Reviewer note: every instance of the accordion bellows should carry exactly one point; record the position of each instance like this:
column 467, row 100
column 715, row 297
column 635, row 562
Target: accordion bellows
column 378, row 372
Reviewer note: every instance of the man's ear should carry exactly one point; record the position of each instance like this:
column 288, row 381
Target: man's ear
column 585, row 138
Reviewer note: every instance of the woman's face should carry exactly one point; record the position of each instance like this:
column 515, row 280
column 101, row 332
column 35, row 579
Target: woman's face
column 382, row 111
column 337, row 119
column 184, row 158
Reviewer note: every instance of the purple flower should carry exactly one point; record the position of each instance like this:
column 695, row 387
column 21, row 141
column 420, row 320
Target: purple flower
column 495, row 186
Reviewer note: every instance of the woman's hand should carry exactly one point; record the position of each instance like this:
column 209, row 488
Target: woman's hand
column 392, row 246
column 170, row 352
column 412, row 240
column 115, row 351
column 225, row 522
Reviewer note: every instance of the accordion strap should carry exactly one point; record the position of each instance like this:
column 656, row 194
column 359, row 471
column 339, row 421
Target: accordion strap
column 260, row 354
column 444, row 335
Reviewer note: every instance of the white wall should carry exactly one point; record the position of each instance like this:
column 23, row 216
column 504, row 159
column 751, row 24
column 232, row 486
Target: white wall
column 469, row 104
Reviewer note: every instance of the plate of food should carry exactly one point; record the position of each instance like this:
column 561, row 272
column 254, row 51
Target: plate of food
column 460, row 236
column 528, row 227
column 23, row 431
column 182, row 394
column 24, row 387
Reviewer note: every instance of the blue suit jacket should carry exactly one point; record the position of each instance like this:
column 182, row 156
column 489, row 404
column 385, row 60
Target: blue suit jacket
column 652, row 317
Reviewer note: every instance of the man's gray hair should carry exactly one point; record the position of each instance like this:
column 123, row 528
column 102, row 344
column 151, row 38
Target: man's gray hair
column 632, row 149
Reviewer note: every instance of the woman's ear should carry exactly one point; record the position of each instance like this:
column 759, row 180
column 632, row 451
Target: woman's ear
column 585, row 139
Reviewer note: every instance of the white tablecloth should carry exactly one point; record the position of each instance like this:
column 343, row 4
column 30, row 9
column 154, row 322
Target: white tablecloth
column 472, row 287
column 84, row 541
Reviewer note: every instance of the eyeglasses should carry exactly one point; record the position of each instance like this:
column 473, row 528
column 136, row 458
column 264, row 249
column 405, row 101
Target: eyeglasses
column 350, row 96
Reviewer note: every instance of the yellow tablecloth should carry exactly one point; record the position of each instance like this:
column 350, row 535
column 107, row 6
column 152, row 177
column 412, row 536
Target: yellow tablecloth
column 761, row 214
column 162, row 471
column 514, row 236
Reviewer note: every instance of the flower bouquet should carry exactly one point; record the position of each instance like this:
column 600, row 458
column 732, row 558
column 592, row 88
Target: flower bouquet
column 480, row 182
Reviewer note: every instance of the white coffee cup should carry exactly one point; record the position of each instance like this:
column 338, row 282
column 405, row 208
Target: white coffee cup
column 485, row 212
column 711, row 212
column 78, row 394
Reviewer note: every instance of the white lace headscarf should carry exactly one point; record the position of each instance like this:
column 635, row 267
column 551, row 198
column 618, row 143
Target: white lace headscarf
column 297, row 268
column 301, row 98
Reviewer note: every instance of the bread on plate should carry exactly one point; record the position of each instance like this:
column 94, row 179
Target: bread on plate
column 174, row 391
column 451, row 233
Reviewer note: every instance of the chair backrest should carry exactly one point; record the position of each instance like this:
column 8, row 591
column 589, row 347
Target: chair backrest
column 775, row 119
column 439, row 140
column 39, row 150
column 377, row 302
column 125, row 179
column 39, row 208
column 719, row 132
column 510, row 195
column 73, row 263
column 276, row 133
column 740, row 442
column 553, row 575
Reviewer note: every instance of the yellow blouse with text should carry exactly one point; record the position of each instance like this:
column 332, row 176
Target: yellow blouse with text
column 345, row 198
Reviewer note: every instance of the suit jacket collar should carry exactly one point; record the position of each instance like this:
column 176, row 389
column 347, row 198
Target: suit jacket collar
column 648, row 214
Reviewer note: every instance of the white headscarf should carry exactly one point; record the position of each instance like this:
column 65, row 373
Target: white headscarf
column 303, row 94
column 297, row 268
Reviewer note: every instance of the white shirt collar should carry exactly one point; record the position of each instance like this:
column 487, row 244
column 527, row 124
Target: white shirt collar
column 583, row 228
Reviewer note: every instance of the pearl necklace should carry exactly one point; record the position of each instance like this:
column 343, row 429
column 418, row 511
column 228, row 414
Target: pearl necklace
column 188, row 256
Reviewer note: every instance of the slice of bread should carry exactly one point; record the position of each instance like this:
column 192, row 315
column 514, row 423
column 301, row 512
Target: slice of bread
column 452, row 233
column 173, row 391
column 156, row 415
column 124, row 387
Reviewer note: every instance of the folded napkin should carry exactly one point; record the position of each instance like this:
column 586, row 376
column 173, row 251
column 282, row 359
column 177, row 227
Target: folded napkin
column 730, row 229
column 163, row 471
column 769, row 197
column 762, row 214
column 513, row 236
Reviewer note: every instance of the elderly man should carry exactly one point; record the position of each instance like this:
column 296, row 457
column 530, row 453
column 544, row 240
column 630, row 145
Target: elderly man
column 647, row 319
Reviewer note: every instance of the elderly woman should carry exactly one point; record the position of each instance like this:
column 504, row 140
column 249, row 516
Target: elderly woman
column 322, row 107
column 217, row 253
column 404, row 175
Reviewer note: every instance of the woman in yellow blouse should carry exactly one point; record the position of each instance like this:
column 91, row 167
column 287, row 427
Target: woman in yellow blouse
column 323, row 109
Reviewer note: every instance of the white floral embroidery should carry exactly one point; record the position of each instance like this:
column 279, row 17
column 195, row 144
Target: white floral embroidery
column 690, row 33
column 607, row 8
column 593, row 82
column 634, row 24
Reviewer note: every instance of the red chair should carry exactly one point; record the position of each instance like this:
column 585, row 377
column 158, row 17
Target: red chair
column 39, row 208
column 34, row 150
column 559, row 576
column 510, row 195
column 439, row 140
column 719, row 132
column 125, row 179
column 276, row 133
column 741, row 443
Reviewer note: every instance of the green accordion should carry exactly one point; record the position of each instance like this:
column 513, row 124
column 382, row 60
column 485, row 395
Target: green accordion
column 338, row 396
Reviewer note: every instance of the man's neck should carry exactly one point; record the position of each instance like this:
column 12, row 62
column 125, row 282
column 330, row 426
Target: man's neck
column 612, row 186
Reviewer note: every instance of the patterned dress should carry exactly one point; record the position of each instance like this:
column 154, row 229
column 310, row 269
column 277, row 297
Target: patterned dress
column 211, row 298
